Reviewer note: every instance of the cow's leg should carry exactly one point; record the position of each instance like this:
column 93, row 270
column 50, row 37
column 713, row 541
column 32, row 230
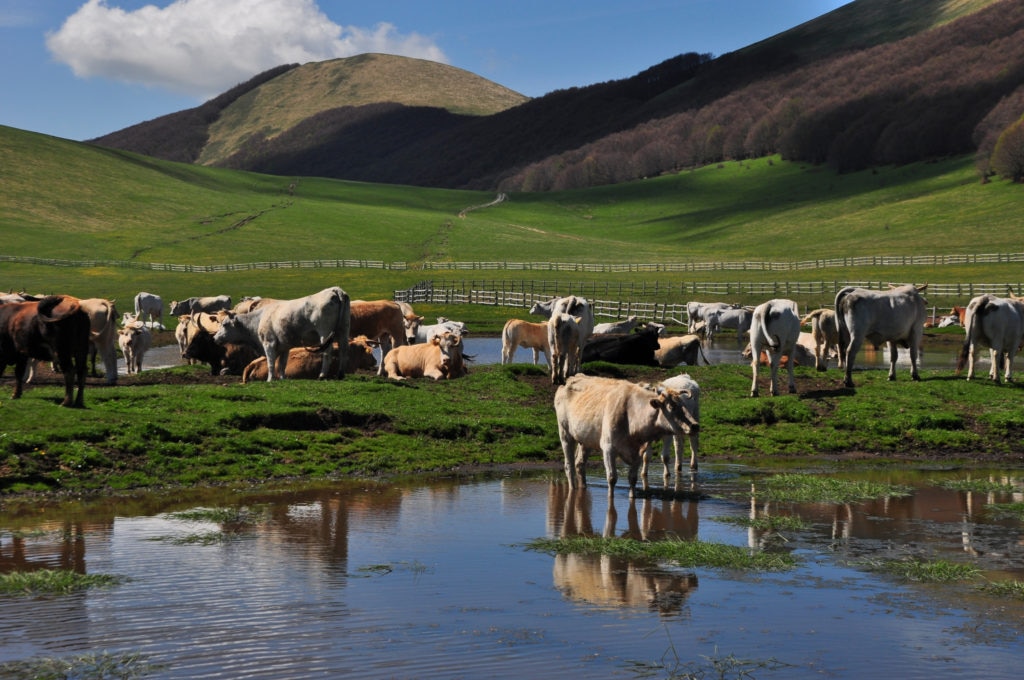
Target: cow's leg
column 773, row 361
column 611, row 474
column 110, row 365
column 1009, row 363
column 915, row 356
column 694, row 439
column 569, row 452
column 893, row 354
column 790, row 365
column 849, row 356
column 994, row 355
column 20, row 368
column 754, row 365
column 634, row 468
column 271, row 354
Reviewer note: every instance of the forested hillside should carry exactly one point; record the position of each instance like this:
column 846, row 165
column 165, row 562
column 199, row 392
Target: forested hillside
column 875, row 82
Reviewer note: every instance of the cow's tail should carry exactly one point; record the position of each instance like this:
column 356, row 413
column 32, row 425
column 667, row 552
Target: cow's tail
column 768, row 313
column 343, row 330
column 842, row 305
column 975, row 315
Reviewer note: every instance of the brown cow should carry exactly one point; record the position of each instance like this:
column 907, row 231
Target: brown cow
column 54, row 328
column 305, row 362
column 617, row 418
column 678, row 349
column 440, row 359
column 227, row 359
column 381, row 321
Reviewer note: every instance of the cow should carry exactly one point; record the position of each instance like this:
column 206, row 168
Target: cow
column 825, row 333
column 997, row 323
column 102, row 336
column 151, row 305
column 564, row 341
column 626, row 326
column 54, row 328
column 381, row 321
column 689, row 392
column 135, row 340
column 678, row 349
column 774, row 329
column 315, row 320
column 228, row 359
column 571, row 304
column 617, row 418
column 895, row 316
column 440, row 358
column 304, row 363
column 803, row 353
column 416, row 332
column 181, row 336
column 518, row 333
column 737, row 318
column 213, row 303
column 698, row 311
column 636, row 349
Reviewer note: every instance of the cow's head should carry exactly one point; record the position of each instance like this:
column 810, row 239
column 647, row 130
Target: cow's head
column 450, row 345
column 671, row 403
column 412, row 325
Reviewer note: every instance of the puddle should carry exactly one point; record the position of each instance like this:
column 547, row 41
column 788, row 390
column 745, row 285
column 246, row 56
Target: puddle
column 432, row 579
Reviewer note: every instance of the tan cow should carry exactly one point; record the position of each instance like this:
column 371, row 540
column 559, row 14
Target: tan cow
column 381, row 321
column 518, row 333
column 103, row 335
column 679, row 349
column 825, row 332
column 305, row 362
column 440, row 359
column 617, row 418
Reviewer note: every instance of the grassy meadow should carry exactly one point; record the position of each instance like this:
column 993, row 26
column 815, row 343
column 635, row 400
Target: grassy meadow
column 75, row 202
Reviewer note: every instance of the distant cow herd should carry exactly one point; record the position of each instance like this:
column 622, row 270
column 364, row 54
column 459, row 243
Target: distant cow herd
column 327, row 335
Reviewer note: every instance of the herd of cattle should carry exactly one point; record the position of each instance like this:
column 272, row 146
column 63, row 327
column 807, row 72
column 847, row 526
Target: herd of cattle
column 326, row 335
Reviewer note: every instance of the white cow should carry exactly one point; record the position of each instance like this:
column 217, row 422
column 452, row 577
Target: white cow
column 103, row 335
column 617, row 418
column 416, row 332
column 135, row 340
column 698, row 311
column 625, row 326
column 895, row 316
column 193, row 305
column 737, row 318
column 689, row 392
column 774, row 330
column 518, row 333
column 151, row 305
column 564, row 341
column 997, row 323
column 318, row 320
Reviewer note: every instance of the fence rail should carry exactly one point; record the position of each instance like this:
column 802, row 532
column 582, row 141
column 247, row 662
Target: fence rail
column 610, row 268
column 522, row 294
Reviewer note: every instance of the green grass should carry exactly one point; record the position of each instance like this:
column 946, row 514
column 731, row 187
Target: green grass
column 53, row 582
column 803, row 488
column 926, row 571
column 93, row 666
column 72, row 201
column 690, row 554
column 150, row 435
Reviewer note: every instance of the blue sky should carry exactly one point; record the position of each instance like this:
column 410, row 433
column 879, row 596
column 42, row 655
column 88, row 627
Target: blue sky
column 79, row 69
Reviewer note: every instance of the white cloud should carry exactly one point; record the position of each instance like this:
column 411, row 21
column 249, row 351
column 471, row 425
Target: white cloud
column 203, row 47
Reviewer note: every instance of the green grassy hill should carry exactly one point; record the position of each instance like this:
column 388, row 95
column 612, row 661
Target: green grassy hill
column 76, row 202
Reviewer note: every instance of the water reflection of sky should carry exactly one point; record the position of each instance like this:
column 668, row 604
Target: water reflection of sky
column 432, row 580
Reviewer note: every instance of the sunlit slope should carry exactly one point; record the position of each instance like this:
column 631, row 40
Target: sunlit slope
column 67, row 200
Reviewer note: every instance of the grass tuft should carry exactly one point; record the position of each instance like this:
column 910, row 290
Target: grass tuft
column 801, row 488
column 54, row 581
column 926, row 571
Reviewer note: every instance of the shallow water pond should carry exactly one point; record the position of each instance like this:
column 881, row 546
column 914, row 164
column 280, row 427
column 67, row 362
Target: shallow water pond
column 433, row 579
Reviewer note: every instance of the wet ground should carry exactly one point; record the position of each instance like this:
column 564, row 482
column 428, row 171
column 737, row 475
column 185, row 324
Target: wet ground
column 432, row 579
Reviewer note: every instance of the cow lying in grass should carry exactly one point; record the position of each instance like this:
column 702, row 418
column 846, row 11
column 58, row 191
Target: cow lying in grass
column 304, row 363
column 440, row 358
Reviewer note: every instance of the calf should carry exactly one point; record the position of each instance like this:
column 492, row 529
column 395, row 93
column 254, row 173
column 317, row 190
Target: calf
column 617, row 418
column 774, row 329
column 54, row 328
column 440, row 359
column 564, row 341
column 518, row 333
column 689, row 393
column 825, row 333
column 680, row 349
column 135, row 341
column 305, row 363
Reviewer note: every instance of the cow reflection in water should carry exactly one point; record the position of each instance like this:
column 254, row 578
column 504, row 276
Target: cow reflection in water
column 616, row 581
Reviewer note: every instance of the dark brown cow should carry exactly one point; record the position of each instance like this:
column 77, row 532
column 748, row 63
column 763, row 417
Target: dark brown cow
column 53, row 329
column 227, row 359
column 381, row 321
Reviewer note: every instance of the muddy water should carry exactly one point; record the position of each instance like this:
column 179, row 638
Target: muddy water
column 373, row 580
